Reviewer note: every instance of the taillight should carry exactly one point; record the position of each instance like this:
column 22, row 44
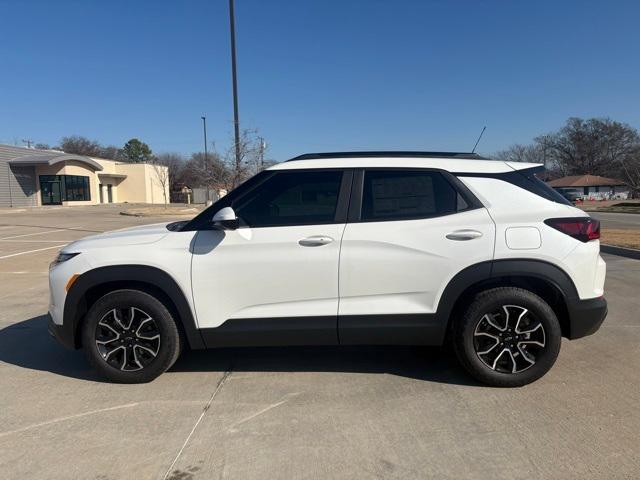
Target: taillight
column 580, row 228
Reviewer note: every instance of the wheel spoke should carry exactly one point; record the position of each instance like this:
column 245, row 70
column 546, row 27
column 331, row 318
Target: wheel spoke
column 524, row 312
column 102, row 324
column 124, row 359
column 119, row 320
column 146, row 321
column 490, row 349
column 147, row 349
column 531, row 342
column 526, row 355
column 111, row 352
column 491, row 321
column 135, row 358
column 531, row 330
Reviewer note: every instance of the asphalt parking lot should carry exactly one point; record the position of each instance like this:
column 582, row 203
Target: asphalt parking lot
column 302, row 412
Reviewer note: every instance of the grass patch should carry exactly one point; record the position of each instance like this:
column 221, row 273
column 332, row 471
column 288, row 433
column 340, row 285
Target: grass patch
column 614, row 209
column 621, row 238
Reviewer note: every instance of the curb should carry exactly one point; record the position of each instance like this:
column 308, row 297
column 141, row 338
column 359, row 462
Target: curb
column 621, row 251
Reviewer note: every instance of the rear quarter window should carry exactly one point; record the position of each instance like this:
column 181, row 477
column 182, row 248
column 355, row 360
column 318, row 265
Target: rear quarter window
column 527, row 180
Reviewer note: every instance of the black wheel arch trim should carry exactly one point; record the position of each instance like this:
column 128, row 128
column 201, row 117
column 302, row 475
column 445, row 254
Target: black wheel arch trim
column 490, row 270
column 75, row 305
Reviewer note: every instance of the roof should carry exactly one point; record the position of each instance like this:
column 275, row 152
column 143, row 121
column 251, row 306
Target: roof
column 583, row 181
column 9, row 152
column 388, row 154
column 53, row 158
column 450, row 161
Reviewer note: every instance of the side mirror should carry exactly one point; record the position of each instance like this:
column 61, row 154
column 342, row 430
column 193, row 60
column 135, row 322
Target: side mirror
column 226, row 219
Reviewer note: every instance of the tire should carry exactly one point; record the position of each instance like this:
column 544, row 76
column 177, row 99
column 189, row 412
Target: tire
column 531, row 334
column 129, row 336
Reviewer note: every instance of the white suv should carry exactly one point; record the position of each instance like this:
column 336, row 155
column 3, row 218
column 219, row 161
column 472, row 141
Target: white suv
column 407, row 248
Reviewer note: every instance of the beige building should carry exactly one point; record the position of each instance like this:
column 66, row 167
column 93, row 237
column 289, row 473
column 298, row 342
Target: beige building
column 47, row 177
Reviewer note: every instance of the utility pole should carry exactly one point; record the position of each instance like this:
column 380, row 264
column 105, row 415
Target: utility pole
column 236, row 120
column 28, row 143
column 204, row 127
column 263, row 147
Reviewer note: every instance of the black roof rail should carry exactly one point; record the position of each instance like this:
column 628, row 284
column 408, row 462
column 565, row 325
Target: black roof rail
column 393, row 154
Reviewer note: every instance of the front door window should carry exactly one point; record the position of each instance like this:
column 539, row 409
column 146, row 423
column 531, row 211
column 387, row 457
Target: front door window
column 50, row 190
column 292, row 198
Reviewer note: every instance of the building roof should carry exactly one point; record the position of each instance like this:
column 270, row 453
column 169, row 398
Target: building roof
column 22, row 156
column 452, row 162
column 53, row 158
column 583, row 181
column 9, row 152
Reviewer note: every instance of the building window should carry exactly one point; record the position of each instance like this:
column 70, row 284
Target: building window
column 76, row 188
column 64, row 188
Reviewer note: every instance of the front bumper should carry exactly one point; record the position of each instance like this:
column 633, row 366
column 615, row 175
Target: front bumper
column 586, row 316
column 64, row 333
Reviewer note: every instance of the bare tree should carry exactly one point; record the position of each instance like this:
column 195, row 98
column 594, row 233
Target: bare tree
column 630, row 168
column 248, row 163
column 209, row 171
column 175, row 164
column 111, row 152
column 595, row 146
column 519, row 153
column 161, row 167
column 80, row 146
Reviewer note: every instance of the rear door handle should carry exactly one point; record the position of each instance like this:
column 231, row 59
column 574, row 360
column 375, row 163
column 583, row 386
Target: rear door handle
column 462, row 235
column 315, row 241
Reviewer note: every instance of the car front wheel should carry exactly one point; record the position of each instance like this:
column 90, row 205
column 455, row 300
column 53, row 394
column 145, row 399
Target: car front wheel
column 129, row 336
column 508, row 337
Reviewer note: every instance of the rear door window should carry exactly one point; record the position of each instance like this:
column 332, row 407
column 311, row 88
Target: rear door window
column 407, row 194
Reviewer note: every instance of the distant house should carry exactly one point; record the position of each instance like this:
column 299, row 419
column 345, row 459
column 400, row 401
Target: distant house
column 33, row 177
column 592, row 187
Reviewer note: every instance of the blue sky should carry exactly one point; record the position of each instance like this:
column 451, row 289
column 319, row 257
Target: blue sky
column 316, row 75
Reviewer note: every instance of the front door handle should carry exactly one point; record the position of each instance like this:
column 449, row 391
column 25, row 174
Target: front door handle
column 315, row 241
column 462, row 235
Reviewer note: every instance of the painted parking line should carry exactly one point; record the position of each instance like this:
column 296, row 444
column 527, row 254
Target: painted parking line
column 30, row 251
column 36, row 233
column 37, row 241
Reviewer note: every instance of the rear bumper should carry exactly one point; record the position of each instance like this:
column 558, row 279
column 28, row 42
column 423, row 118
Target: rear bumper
column 62, row 333
column 586, row 316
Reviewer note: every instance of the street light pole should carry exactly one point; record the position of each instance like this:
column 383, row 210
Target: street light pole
column 204, row 126
column 236, row 120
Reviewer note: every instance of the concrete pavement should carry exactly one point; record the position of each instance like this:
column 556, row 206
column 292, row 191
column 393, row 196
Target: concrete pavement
column 624, row 221
column 302, row 412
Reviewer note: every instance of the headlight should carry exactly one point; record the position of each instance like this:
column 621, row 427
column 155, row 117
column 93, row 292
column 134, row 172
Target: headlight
column 62, row 257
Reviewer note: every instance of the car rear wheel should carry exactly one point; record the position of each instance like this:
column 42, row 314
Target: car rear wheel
column 129, row 336
column 508, row 337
